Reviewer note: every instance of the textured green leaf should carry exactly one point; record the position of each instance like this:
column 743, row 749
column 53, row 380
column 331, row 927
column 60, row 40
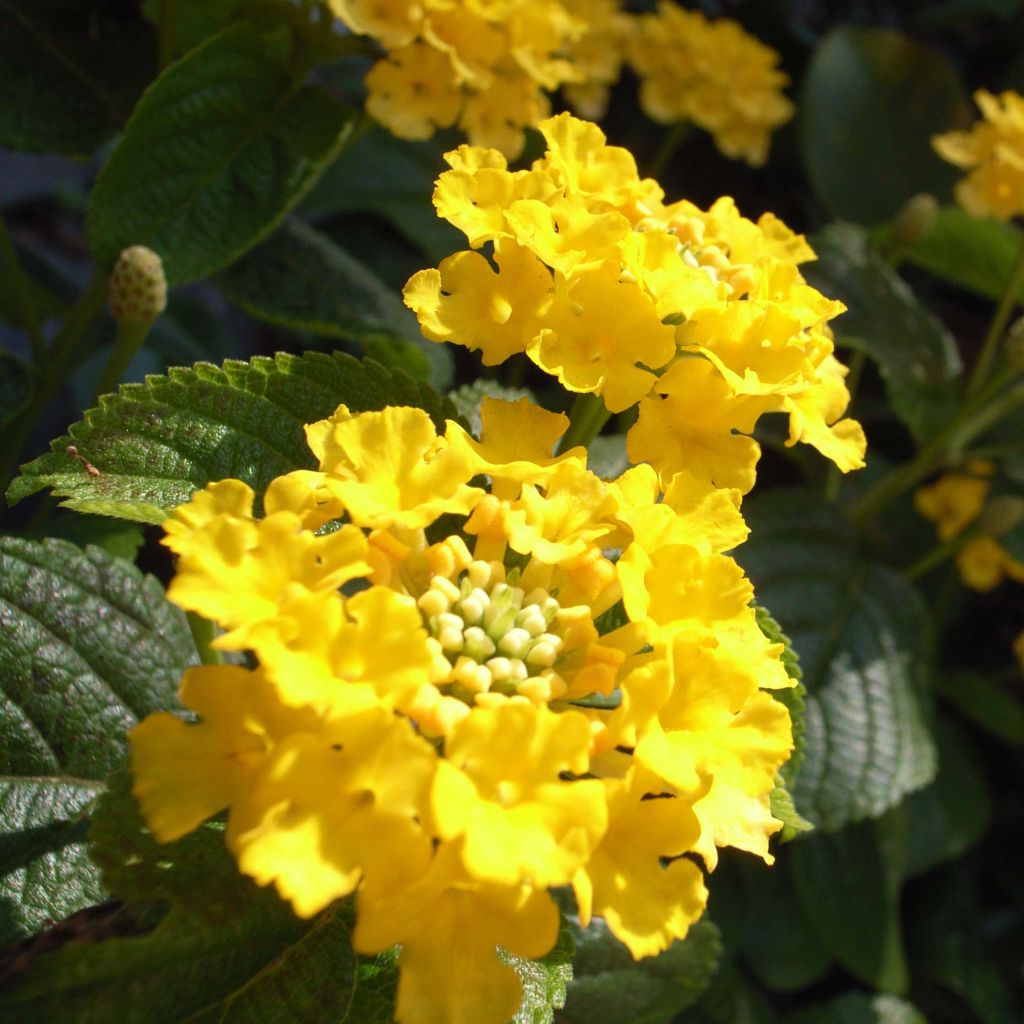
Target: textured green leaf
column 869, row 92
column 974, row 253
column 544, row 980
column 609, row 987
column 70, row 74
column 45, row 871
column 88, row 645
column 218, row 150
column 298, row 278
column 154, row 444
column 860, row 631
column 915, row 353
column 845, row 893
column 860, row 1008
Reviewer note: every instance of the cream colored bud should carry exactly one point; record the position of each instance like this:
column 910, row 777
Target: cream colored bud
column 137, row 292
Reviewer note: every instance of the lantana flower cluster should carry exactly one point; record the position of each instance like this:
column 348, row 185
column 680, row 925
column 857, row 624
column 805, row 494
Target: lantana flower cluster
column 487, row 68
column 992, row 153
column 701, row 318
column 464, row 695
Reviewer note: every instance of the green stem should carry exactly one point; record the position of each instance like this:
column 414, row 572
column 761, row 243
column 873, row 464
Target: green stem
column 204, row 632
column 168, row 16
column 670, row 143
column 589, row 414
column 130, row 337
column 938, row 555
column 997, row 328
column 12, row 273
column 975, row 418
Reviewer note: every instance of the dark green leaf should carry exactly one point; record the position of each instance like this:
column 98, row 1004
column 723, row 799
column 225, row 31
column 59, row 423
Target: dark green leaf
column 154, row 444
column 298, row 278
column 860, row 631
column 609, row 987
column 971, row 252
column 845, row 893
column 194, row 20
column 45, row 871
column 116, row 536
column 951, row 815
column 218, row 150
column 915, row 353
column 996, row 708
column 393, row 178
column 860, row 1008
column 71, row 72
column 730, row 999
column 88, row 646
column 544, row 980
column 872, row 99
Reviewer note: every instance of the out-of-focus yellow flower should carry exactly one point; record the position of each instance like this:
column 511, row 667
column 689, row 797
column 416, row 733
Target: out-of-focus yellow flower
column 993, row 153
column 954, row 503
column 701, row 317
column 447, row 724
column 713, row 74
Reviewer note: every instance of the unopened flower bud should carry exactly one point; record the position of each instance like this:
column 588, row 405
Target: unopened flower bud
column 138, row 287
column 914, row 220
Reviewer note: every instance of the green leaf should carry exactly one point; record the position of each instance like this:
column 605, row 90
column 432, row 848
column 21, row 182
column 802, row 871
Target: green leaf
column 544, row 980
column 860, row 1008
column 88, row 646
column 194, row 20
column 70, row 74
column 45, row 870
column 871, row 101
column 846, row 895
column 775, row 938
column 393, row 178
column 860, row 631
column 949, row 816
column 915, row 353
column 218, row 150
column 995, row 708
column 974, row 253
column 299, row 279
column 609, row 987
column 154, row 444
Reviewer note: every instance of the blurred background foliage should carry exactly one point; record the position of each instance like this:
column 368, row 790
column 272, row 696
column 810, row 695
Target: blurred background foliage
column 906, row 903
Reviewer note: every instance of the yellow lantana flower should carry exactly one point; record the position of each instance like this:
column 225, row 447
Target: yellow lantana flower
column 993, row 153
column 955, row 503
column 713, row 74
column 604, row 286
column 443, row 721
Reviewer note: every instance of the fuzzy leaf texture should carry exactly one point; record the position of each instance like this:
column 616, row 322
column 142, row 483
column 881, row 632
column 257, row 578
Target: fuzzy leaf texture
column 916, row 355
column 299, row 279
column 860, row 632
column 154, row 444
column 71, row 73
column 88, row 646
column 217, row 151
column 609, row 987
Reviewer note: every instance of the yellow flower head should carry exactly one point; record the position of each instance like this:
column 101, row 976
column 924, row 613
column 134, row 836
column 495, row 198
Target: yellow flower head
column 713, row 74
column 588, row 272
column 993, row 153
column 462, row 699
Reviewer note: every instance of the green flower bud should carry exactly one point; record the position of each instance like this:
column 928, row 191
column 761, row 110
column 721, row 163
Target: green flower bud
column 138, row 287
column 914, row 220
